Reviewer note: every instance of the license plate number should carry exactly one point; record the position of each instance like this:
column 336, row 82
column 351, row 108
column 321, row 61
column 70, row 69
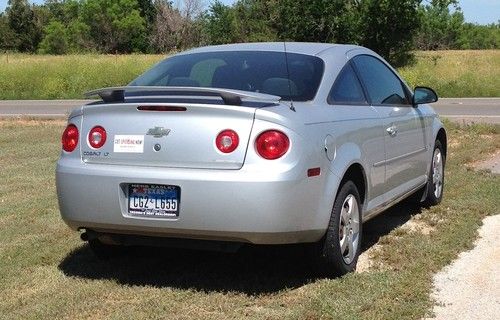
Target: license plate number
column 152, row 200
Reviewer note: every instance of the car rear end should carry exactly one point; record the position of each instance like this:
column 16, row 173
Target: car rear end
column 187, row 170
column 201, row 146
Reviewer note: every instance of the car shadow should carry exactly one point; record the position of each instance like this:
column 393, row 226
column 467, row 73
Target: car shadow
column 252, row 270
column 387, row 221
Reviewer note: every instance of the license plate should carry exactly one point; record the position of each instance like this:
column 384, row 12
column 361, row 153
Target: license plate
column 153, row 200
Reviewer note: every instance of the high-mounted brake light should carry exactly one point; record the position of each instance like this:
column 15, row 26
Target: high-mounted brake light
column 161, row 108
column 272, row 144
column 70, row 138
column 227, row 141
column 97, row 137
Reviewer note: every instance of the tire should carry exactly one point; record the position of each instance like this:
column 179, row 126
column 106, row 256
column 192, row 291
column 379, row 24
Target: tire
column 104, row 251
column 435, row 184
column 339, row 250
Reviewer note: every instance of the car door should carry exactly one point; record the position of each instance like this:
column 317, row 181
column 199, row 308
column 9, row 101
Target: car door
column 361, row 125
column 405, row 145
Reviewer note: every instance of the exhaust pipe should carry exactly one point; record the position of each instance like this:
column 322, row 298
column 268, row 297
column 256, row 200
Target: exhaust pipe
column 84, row 236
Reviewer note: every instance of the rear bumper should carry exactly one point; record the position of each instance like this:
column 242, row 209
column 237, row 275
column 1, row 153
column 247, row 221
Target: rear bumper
column 226, row 205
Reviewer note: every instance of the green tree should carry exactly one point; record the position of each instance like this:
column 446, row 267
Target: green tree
column 21, row 20
column 311, row 20
column 55, row 40
column 54, row 13
column 219, row 24
column 388, row 27
column 255, row 20
column 147, row 10
column 475, row 36
column 56, row 8
column 439, row 27
column 79, row 39
column 64, row 11
column 8, row 39
column 115, row 25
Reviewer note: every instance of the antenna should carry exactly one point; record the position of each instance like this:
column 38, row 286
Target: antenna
column 288, row 76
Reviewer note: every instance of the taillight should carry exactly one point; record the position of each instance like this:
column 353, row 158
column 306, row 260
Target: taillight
column 97, row 137
column 70, row 138
column 272, row 144
column 227, row 141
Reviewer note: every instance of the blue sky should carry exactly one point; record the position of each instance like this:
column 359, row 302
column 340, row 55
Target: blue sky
column 478, row 11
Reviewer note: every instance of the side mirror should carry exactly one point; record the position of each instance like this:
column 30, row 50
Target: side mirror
column 424, row 95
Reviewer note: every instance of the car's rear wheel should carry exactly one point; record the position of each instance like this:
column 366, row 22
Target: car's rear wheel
column 340, row 247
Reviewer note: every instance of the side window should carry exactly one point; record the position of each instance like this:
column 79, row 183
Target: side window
column 347, row 89
column 383, row 86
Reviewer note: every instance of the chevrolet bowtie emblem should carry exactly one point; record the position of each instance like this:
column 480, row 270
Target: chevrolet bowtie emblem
column 158, row 132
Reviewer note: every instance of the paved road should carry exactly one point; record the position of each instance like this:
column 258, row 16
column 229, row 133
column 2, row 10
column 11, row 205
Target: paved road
column 469, row 109
column 457, row 109
column 38, row 108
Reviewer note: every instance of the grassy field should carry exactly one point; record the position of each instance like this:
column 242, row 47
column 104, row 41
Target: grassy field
column 46, row 272
column 66, row 77
column 467, row 73
column 451, row 73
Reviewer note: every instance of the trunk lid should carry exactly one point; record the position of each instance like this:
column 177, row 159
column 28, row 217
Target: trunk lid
column 183, row 137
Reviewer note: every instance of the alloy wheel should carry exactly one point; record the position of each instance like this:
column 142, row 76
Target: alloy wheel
column 349, row 229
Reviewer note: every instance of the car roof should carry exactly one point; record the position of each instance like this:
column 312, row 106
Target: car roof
column 308, row 48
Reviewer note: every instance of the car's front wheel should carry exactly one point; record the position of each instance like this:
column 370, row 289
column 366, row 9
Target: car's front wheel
column 435, row 184
column 340, row 248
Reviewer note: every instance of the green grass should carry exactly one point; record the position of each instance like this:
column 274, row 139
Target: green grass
column 47, row 272
column 66, row 77
column 465, row 73
column 452, row 73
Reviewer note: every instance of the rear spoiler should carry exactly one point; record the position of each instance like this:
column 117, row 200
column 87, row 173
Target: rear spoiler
column 230, row 97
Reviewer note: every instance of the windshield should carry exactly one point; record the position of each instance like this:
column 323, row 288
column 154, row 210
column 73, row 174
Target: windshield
column 257, row 71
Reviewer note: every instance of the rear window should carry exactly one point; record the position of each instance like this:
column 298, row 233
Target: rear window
column 257, row 71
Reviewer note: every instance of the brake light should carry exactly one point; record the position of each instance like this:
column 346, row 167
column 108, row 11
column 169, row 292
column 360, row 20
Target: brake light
column 70, row 138
column 227, row 141
column 97, row 137
column 161, row 108
column 272, row 144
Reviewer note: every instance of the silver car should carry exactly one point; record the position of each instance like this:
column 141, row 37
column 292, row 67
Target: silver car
column 262, row 143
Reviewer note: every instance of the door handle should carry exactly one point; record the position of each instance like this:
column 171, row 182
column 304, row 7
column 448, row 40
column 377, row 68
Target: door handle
column 392, row 130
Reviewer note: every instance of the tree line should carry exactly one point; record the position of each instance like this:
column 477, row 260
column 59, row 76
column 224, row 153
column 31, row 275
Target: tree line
column 393, row 28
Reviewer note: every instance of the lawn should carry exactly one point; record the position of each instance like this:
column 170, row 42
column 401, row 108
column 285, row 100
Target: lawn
column 46, row 272
column 465, row 73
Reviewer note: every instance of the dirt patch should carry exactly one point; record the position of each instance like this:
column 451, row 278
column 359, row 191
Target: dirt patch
column 413, row 225
column 470, row 287
column 486, row 136
column 418, row 226
column 492, row 163
column 453, row 143
column 365, row 260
